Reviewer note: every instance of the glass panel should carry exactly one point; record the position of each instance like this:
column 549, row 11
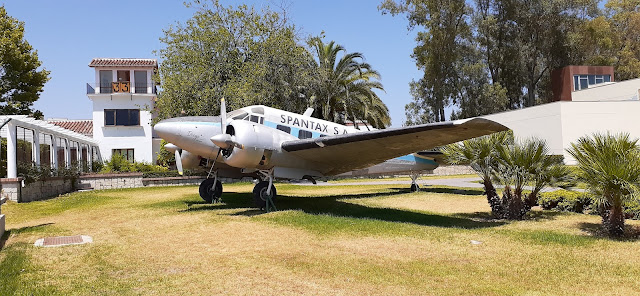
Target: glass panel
column 592, row 79
column 584, row 82
column 283, row 128
column 576, row 84
column 134, row 117
column 122, row 117
column 254, row 119
column 141, row 81
column 109, row 117
column 607, row 78
column 106, row 77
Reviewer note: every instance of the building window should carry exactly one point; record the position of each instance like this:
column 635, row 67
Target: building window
column 283, row 128
column 126, row 154
column 141, row 81
column 302, row 134
column 106, row 77
column 122, row 117
column 584, row 81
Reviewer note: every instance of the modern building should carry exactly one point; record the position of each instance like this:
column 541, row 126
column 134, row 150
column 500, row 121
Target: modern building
column 588, row 101
column 123, row 95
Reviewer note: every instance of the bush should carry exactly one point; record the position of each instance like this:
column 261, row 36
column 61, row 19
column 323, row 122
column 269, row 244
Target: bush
column 167, row 173
column 564, row 200
column 119, row 164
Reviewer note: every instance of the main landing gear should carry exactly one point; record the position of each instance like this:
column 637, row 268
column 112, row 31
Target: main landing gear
column 414, row 185
column 264, row 193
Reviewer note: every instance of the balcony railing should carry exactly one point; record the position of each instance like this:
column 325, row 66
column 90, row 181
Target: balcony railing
column 121, row 87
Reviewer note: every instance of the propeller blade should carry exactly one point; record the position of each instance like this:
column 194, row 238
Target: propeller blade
column 179, row 162
column 224, row 141
column 223, row 116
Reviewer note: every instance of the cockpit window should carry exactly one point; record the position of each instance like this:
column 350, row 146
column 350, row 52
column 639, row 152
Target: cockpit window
column 254, row 118
column 237, row 114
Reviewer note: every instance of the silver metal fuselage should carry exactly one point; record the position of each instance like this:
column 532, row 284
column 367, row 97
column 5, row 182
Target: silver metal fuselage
column 193, row 134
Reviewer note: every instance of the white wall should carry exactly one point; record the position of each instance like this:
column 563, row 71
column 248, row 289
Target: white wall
column 562, row 123
column 617, row 91
column 124, row 137
column 542, row 121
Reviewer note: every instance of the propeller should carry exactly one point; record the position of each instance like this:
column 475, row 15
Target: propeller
column 224, row 140
column 179, row 162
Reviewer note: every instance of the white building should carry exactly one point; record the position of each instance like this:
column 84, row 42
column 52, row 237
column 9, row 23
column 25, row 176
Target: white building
column 123, row 96
column 600, row 107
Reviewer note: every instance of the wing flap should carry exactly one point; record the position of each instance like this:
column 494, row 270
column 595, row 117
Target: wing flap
column 343, row 153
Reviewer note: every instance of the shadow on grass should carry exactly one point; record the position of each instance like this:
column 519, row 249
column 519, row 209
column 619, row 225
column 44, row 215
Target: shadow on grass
column 631, row 232
column 335, row 206
column 449, row 190
column 26, row 229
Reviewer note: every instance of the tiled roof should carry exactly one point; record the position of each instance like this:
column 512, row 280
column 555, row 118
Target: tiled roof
column 84, row 127
column 110, row 62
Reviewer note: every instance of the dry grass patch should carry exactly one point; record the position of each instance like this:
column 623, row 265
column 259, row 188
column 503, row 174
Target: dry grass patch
column 338, row 240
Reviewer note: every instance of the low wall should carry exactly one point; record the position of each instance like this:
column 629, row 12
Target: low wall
column 453, row 170
column 110, row 181
column 2, row 222
column 13, row 190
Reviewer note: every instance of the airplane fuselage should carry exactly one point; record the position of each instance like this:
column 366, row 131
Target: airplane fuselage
column 193, row 134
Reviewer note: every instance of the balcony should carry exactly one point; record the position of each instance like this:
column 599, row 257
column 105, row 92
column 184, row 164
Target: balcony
column 121, row 87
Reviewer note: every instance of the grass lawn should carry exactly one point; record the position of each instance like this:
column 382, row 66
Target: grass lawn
column 332, row 240
column 407, row 178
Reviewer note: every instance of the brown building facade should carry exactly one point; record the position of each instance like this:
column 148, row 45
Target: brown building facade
column 565, row 81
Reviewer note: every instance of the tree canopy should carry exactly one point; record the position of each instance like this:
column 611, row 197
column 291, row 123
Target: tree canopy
column 257, row 57
column 486, row 56
column 346, row 86
column 20, row 80
column 245, row 56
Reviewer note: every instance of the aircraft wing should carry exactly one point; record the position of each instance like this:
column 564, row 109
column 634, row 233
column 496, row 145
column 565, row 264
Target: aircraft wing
column 344, row 153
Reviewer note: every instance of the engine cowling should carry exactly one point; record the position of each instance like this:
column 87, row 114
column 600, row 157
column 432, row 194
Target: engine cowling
column 257, row 143
column 189, row 160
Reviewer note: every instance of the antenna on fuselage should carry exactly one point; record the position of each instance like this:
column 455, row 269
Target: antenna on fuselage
column 308, row 112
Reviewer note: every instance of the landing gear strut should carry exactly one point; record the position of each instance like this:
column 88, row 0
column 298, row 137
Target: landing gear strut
column 264, row 193
column 414, row 185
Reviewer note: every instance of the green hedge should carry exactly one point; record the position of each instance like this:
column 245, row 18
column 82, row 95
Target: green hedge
column 580, row 202
column 565, row 200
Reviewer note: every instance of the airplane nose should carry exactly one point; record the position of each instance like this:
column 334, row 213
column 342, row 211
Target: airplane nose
column 165, row 130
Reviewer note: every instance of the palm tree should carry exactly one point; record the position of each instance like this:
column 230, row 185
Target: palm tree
column 608, row 164
column 481, row 154
column 345, row 88
column 526, row 163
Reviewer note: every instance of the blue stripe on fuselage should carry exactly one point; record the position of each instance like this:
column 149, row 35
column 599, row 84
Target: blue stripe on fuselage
column 415, row 159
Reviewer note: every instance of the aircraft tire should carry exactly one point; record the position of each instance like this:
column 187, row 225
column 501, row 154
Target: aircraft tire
column 208, row 192
column 415, row 188
column 259, row 194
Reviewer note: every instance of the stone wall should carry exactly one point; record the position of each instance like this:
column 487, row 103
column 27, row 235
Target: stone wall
column 453, row 170
column 110, row 181
column 51, row 187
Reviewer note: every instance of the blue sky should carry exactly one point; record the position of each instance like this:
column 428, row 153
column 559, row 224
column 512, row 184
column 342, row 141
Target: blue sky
column 68, row 34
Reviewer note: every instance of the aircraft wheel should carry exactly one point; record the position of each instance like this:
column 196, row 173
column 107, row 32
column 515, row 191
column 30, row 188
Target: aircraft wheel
column 210, row 193
column 415, row 188
column 260, row 194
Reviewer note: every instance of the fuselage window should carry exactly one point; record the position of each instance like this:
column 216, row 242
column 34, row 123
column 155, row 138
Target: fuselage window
column 283, row 128
column 322, row 135
column 302, row 134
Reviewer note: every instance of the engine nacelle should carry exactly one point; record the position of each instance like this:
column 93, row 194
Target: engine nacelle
column 189, row 160
column 258, row 143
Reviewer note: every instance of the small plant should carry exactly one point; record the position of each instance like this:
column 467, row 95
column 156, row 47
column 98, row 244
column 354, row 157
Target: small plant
column 565, row 200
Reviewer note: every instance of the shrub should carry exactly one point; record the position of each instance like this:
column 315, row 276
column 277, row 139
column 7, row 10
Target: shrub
column 564, row 200
column 119, row 164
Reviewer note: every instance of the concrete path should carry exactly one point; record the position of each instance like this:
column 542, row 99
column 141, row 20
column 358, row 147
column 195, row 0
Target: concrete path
column 471, row 182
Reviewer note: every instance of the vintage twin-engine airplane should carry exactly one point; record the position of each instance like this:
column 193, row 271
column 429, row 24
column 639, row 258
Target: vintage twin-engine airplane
column 270, row 143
